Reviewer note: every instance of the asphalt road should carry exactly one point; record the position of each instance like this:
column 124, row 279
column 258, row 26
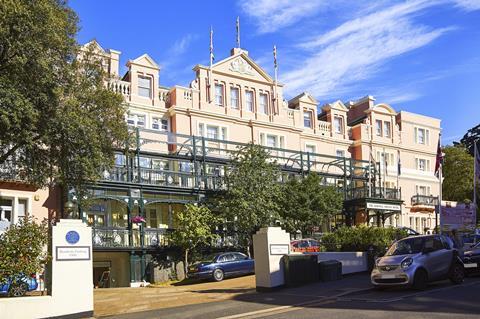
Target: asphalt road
column 440, row 300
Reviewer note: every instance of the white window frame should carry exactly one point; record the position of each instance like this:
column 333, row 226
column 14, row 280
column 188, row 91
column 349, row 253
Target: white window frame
column 342, row 151
column 378, row 128
column 418, row 165
column 308, row 115
column 161, row 123
column 219, row 98
column 387, row 129
column 141, row 87
column 313, row 148
column 426, row 136
column 338, row 129
column 134, row 117
column 428, row 190
column 235, row 103
column 202, row 130
column 263, row 108
column 249, row 105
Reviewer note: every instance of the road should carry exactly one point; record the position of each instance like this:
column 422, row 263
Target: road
column 440, row 300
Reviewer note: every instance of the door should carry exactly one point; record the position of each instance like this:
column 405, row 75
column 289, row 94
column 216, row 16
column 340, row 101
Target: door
column 438, row 259
column 242, row 263
column 227, row 262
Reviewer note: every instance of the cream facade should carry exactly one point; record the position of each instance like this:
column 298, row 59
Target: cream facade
column 236, row 100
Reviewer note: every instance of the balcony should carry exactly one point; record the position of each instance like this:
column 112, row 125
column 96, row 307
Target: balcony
column 424, row 200
column 119, row 86
column 324, row 128
column 116, row 237
column 374, row 192
column 11, row 172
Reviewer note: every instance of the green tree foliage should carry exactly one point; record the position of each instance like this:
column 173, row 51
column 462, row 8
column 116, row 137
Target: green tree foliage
column 23, row 248
column 195, row 225
column 470, row 138
column 57, row 118
column 457, row 173
column 362, row 238
column 252, row 198
column 307, row 204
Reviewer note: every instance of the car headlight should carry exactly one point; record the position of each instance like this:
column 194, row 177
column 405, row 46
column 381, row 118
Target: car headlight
column 377, row 261
column 406, row 263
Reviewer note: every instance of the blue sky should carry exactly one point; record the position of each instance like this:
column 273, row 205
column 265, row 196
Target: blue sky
column 418, row 56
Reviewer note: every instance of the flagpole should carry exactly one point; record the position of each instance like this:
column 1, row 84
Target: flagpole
column 440, row 175
column 276, row 74
column 210, row 72
column 238, row 32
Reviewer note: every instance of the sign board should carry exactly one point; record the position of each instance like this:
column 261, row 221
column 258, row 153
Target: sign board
column 276, row 249
column 461, row 217
column 66, row 253
column 382, row 206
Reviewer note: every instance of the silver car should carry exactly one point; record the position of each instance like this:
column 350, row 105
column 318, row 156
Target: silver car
column 415, row 261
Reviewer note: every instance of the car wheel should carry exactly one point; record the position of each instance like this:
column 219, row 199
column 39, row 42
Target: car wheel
column 218, row 275
column 457, row 274
column 17, row 290
column 420, row 280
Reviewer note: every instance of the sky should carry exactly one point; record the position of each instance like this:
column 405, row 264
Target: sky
column 417, row 56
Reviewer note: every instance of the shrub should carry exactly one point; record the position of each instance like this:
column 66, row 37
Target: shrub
column 362, row 238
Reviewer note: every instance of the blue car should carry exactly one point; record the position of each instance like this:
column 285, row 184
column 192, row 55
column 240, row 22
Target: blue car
column 22, row 285
column 219, row 266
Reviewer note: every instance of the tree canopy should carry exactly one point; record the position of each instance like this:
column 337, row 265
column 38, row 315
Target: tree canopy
column 58, row 121
column 308, row 204
column 470, row 138
column 457, row 173
column 22, row 248
column 252, row 198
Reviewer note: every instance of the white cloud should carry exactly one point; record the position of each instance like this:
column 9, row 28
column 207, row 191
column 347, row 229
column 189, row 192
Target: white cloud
column 181, row 45
column 272, row 15
column 468, row 5
column 356, row 49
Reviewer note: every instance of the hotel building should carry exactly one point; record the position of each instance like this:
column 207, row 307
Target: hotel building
column 185, row 135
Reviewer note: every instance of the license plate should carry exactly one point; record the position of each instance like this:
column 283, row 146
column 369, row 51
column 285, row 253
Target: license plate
column 388, row 276
column 472, row 265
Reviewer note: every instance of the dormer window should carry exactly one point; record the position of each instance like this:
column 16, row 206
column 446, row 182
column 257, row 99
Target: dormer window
column 338, row 124
column 145, row 86
column 307, row 119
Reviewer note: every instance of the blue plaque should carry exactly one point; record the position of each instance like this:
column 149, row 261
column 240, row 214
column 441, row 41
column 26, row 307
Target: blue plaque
column 72, row 237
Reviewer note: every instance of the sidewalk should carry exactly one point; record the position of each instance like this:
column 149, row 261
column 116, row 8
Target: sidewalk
column 230, row 296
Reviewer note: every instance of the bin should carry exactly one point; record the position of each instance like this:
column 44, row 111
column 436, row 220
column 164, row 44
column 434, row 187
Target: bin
column 330, row 270
column 300, row 269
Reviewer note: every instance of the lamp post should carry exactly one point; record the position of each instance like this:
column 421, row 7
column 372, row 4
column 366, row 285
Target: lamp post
column 69, row 209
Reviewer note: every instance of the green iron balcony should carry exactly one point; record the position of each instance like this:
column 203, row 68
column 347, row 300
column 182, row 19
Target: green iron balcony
column 424, row 200
column 117, row 237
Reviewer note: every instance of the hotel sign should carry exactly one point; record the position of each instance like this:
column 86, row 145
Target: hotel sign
column 382, row 206
column 277, row 249
column 69, row 253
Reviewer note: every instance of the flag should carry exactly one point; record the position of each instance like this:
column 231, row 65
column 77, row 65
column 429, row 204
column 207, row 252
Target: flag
column 275, row 56
column 399, row 165
column 439, row 160
column 212, row 57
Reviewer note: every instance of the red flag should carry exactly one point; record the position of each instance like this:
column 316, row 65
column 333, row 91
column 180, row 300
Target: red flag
column 439, row 161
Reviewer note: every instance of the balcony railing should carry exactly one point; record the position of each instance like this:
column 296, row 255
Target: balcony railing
column 111, row 237
column 424, row 200
column 9, row 171
column 324, row 127
column 374, row 192
column 119, row 86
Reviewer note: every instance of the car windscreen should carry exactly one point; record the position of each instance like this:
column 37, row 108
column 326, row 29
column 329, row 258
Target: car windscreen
column 406, row 246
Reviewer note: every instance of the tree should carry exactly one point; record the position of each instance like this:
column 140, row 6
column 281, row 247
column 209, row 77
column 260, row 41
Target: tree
column 252, row 197
column 194, row 227
column 23, row 249
column 457, row 173
column 58, row 120
column 470, row 138
column 307, row 204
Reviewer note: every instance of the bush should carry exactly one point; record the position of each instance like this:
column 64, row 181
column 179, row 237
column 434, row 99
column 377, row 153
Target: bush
column 362, row 238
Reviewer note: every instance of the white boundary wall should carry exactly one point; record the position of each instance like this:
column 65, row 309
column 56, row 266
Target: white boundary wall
column 72, row 279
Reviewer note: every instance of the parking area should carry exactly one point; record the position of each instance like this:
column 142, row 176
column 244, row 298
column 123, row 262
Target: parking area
column 114, row 301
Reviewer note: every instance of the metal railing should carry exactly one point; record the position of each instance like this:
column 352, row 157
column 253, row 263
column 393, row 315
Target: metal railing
column 374, row 192
column 116, row 237
column 426, row 200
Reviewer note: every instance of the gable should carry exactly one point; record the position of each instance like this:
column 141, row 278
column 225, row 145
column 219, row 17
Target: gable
column 384, row 108
column 240, row 65
column 145, row 60
column 95, row 47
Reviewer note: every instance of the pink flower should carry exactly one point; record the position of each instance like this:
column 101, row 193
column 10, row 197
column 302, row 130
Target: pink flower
column 138, row 219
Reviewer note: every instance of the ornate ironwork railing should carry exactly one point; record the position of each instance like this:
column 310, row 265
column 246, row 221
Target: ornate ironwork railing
column 116, row 237
column 426, row 200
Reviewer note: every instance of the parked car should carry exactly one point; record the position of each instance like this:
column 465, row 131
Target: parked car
column 415, row 261
column 221, row 265
column 306, row 245
column 410, row 231
column 470, row 240
column 20, row 288
column 471, row 258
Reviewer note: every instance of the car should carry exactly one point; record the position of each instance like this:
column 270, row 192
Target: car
column 415, row 261
column 221, row 265
column 306, row 245
column 470, row 240
column 410, row 232
column 20, row 287
column 471, row 258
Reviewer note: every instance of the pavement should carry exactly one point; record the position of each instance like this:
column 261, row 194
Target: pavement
column 351, row 297
column 115, row 301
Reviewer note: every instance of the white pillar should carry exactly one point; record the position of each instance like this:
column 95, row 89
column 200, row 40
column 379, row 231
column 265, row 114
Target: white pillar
column 269, row 246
